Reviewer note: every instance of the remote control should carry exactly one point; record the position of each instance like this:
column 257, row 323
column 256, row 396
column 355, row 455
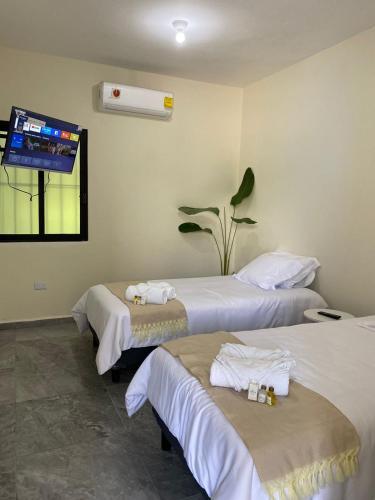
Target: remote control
column 329, row 315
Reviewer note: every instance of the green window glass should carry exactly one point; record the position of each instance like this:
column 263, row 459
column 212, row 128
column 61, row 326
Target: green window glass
column 62, row 202
column 18, row 215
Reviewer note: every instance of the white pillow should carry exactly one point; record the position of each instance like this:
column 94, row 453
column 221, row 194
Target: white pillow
column 277, row 270
column 299, row 284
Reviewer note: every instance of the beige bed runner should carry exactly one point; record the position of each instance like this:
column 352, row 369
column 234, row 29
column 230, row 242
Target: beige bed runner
column 151, row 320
column 298, row 446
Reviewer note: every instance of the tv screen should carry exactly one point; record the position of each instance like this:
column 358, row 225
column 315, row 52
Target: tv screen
column 40, row 142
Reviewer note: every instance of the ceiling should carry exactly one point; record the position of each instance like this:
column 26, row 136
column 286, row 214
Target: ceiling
column 232, row 42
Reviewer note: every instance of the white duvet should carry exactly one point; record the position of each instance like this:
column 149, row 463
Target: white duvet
column 213, row 303
column 335, row 359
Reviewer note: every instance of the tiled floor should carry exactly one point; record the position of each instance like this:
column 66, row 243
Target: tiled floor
column 64, row 433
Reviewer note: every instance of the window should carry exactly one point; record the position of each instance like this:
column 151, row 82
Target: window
column 57, row 213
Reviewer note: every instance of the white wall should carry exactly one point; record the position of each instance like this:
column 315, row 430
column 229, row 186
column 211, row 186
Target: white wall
column 140, row 171
column 309, row 132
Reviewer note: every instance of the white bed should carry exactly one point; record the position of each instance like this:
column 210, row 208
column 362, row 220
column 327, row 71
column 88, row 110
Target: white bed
column 212, row 304
column 335, row 359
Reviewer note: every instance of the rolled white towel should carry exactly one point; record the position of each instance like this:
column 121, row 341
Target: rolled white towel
column 160, row 284
column 142, row 288
column 245, row 351
column 131, row 292
column 165, row 285
column 155, row 295
column 236, row 373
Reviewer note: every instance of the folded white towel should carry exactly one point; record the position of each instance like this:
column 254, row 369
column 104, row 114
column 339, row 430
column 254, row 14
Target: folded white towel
column 236, row 373
column 245, row 351
column 165, row 285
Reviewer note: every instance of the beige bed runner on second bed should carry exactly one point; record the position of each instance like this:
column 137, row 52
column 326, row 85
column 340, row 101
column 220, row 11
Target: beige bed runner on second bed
column 151, row 320
column 298, row 446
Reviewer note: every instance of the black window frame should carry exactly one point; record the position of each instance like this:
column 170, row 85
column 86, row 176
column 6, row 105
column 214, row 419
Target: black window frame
column 83, row 195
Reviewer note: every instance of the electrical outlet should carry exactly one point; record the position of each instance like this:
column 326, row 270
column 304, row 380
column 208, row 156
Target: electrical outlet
column 40, row 285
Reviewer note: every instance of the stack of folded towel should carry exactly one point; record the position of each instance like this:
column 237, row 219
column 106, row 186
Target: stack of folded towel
column 153, row 292
column 236, row 365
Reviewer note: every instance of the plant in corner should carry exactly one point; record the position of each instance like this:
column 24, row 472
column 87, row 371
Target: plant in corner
column 228, row 229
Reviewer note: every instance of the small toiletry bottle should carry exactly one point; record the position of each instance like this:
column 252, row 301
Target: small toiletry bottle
column 262, row 394
column 253, row 390
column 143, row 300
column 271, row 397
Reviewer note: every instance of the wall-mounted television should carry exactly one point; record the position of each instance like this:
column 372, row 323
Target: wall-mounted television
column 40, row 142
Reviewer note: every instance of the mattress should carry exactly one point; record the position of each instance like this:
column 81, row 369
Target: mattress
column 212, row 304
column 334, row 359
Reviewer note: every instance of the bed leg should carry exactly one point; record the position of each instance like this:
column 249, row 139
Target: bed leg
column 95, row 341
column 165, row 444
column 116, row 374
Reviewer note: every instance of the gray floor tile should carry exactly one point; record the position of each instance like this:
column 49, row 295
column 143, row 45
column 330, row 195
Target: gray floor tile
column 117, row 394
column 7, row 386
column 64, row 431
column 7, row 481
column 7, row 349
column 172, row 489
column 37, row 355
column 61, row 474
column 102, row 469
column 7, row 433
column 31, row 386
column 45, row 368
column 119, row 470
column 50, row 423
column 61, row 331
column 28, row 333
column 7, row 336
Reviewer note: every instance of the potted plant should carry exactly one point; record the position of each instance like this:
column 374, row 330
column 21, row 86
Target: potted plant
column 228, row 229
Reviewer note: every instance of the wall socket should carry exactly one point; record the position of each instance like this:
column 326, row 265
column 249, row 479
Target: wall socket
column 40, row 285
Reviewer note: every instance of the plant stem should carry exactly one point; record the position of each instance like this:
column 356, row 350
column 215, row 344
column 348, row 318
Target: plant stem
column 222, row 231
column 231, row 224
column 230, row 251
column 225, row 242
column 218, row 249
column 228, row 242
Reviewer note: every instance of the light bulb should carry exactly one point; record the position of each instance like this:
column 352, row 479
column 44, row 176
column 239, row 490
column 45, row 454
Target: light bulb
column 180, row 37
column 180, row 25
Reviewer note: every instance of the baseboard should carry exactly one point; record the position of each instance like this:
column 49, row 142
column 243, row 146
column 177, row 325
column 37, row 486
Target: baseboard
column 28, row 323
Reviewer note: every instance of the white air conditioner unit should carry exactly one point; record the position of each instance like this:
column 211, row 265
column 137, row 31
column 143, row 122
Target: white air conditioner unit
column 135, row 100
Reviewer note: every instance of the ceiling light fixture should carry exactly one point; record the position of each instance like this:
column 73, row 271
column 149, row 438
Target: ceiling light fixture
column 180, row 28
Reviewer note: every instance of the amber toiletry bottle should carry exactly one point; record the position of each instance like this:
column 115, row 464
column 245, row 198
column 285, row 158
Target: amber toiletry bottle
column 271, row 397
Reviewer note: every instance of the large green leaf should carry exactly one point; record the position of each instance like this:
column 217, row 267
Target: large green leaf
column 195, row 211
column 191, row 227
column 244, row 220
column 245, row 189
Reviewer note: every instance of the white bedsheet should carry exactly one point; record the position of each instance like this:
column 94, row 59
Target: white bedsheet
column 213, row 303
column 335, row 359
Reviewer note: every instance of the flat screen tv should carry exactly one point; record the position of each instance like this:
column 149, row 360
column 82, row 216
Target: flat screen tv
column 40, row 142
